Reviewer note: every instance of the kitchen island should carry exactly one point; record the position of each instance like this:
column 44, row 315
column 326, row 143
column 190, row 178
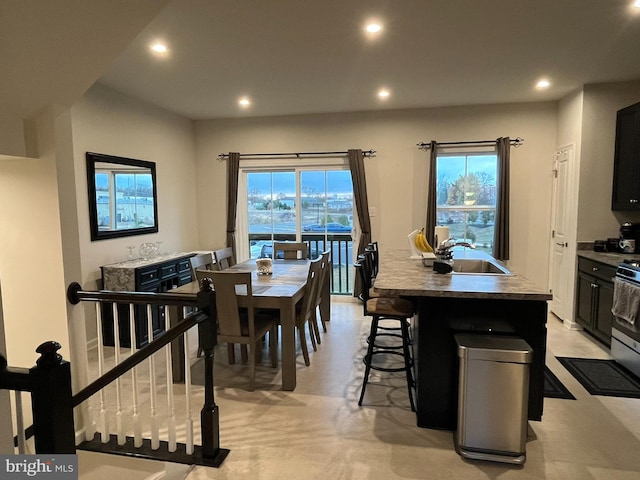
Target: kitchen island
column 453, row 303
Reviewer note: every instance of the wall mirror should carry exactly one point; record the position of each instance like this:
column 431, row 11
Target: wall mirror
column 122, row 196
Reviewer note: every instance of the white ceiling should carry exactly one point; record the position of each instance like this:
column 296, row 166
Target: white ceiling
column 51, row 51
column 296, row 57
column 310, row 56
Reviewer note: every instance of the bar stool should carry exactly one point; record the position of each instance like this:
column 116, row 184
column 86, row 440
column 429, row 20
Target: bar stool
column 385, row 308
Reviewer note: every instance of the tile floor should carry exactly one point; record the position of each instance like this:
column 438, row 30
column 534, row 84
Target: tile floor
column 319, row 432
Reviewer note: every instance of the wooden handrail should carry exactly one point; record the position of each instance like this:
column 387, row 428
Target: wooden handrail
column 75, row 295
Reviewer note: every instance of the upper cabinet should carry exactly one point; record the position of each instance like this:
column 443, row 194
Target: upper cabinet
column 626, row 170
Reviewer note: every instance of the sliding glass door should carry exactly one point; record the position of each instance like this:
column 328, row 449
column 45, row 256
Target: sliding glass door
column 312, row 205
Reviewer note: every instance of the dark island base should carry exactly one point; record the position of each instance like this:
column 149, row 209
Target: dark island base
column 435, row 351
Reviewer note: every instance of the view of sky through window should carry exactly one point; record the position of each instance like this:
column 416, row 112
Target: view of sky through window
column 466, row 197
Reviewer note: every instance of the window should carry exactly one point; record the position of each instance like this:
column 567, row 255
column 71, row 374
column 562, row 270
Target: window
column 312, row 204
column 466, row 196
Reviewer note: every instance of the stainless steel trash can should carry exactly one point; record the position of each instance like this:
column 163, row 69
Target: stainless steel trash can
column 493, row 397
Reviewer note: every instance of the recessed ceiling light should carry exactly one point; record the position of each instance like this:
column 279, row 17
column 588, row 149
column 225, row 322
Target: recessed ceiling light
column 543, row 84
column 636, row 4
column 383, row 93
column 159, row 47
column 244, row 102
column 373, row 27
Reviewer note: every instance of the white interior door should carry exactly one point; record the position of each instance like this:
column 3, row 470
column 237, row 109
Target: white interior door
column 562, row 233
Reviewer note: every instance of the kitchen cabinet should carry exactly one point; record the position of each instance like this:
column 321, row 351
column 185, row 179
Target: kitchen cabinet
column 594, row 298
column 626, row 167
column 158, row 274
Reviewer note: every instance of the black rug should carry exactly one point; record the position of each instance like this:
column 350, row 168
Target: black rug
column 603, row 377
column 553, row 388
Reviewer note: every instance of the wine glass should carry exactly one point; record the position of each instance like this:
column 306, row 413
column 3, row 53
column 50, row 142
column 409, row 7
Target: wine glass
column 131, row 249
column 158, row 247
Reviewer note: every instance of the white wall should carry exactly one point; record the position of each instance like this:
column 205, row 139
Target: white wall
column 570, row 121
column 33, row 291
column 6, row 434
column 105, row 121
column 601, row 102
column 397, row 176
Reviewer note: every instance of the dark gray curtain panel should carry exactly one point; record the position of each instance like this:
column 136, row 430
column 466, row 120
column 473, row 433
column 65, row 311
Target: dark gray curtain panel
column 501, row 222
column 432, row 198
column 233, row 168
column 358, row 178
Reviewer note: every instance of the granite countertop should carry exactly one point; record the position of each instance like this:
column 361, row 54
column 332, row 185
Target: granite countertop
column 400, row 275
column 143, row 262
column 121, row 276
column 613, row 259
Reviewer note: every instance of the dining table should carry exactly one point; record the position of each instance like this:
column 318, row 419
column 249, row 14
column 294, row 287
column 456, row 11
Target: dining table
column 281, row 290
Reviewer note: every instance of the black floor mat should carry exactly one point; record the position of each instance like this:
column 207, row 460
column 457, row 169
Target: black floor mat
column 553, row 388
column 603, row 377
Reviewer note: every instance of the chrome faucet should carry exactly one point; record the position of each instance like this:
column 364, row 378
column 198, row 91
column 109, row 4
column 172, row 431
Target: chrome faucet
column 443, row 252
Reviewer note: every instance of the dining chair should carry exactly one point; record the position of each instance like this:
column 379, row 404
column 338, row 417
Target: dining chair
column 224, row 258
column 245, row 325
column 325, row 269
column 290, row 250
column 201, row 267
column 394, row 309
column 306, row 307
column 306, row 314
column 202, row 261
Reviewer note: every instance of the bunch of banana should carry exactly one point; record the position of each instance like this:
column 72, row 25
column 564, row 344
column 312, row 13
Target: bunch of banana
column 421, row 243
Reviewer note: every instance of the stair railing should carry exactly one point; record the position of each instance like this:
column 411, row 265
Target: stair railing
column 54, row 428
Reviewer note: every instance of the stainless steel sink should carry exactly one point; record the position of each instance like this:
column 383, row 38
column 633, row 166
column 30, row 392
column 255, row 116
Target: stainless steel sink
column 474, row 266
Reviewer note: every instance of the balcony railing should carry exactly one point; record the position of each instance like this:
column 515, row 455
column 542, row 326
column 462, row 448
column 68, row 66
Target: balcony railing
column 341, row 246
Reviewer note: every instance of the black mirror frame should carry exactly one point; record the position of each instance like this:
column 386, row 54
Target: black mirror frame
column 96, row 234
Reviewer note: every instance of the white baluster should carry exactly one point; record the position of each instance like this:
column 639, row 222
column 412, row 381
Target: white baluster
column 155, row 434
column 187, row 390
column 137, row 426
column 116, row 336
column 103, row 426
column 22, row 439
column 171, row 422
column 86, row 411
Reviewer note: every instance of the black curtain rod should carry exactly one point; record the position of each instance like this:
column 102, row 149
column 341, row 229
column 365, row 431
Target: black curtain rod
column 367, row 153
column 516, row 142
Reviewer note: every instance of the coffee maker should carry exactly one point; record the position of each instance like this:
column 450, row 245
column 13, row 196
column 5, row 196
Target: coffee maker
column 628, row 233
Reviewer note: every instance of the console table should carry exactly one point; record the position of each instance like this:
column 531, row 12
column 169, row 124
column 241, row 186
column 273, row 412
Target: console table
column 158, row 274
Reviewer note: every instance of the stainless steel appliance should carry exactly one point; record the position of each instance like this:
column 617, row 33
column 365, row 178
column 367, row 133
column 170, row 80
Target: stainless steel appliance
column 625, row 336
column 627, row 238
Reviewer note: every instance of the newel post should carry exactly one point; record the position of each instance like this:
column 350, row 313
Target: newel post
column 51, row 399
column 209, row 415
